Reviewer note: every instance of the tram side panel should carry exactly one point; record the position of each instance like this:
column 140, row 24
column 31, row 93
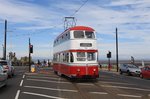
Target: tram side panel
column 77, row 71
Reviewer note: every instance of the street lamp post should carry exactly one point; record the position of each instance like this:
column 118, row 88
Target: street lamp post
column 117, row 49
column 5, row 39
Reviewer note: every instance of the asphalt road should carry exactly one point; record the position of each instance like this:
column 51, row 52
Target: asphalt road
column 47, row 85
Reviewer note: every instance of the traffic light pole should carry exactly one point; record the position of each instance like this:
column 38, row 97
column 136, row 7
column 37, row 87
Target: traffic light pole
column 109, row 65
column 29, row 56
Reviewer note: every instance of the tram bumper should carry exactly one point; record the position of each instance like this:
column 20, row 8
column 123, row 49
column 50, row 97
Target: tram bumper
column 84, row 72
column 94, row 75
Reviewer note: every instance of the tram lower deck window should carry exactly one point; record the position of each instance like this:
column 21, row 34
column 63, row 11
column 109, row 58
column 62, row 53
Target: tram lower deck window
column 91, row 56
column 81, row 56
column 86, row 56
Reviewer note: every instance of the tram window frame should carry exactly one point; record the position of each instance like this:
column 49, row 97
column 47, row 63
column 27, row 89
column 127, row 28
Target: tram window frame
column 71, row 57
column 81, row 57
column 67, row 57
column 64, row 60
column 89, row 36
column 91, row 58
column 78, row 34
column 64, row 37
column 58, row 57
column 68, row 35
column 61, row 57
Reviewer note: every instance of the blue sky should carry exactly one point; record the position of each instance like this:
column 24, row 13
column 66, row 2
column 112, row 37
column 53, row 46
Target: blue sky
column 42, row 21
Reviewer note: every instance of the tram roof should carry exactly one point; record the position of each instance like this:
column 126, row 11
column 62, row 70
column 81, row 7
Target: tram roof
column 81, row 28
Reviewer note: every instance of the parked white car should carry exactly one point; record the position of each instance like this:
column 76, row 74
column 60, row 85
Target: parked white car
column 3, row 76
column 7, row 67
column 129, row 69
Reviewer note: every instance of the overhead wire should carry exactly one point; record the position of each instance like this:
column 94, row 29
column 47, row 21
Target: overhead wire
column 79, row 8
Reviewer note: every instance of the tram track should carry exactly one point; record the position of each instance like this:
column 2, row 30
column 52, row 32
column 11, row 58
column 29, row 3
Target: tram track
column 109, row 91
column 81, row 92
column 98, row 87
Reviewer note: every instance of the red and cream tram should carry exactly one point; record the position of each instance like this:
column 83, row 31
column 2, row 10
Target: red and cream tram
column 75, row 53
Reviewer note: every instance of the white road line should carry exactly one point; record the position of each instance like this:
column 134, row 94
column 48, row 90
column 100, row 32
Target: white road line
column 51, row 88
column 115, row 83
column 101, row 93
column 17, row 94
column 23, row 76
column 121, row 87
column 59, row 92
column 48, row 81
column 43, row 77
column 133, row 96
column 85, row 84
column 42, row 95
column 21, row 82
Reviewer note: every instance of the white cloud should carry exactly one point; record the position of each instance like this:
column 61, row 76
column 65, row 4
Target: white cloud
column 127, row 2
column 26, row 13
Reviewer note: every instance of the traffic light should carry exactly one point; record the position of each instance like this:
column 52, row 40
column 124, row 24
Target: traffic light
column 31, row 48
column 14, row 54
column 109, row 55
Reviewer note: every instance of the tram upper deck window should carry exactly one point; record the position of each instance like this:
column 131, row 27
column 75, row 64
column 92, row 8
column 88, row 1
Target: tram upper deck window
column 89, row 34
column 78, row 34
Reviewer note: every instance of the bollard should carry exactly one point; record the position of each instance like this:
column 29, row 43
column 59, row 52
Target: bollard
column 32, row 68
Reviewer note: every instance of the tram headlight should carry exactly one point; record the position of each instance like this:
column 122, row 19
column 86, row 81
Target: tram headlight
column 78, row 70
column 94, row 70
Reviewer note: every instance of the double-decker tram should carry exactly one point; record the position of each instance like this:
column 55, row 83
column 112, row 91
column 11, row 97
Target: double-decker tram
column 75, row 53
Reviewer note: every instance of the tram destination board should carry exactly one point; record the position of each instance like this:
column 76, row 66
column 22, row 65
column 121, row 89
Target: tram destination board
column 86, row 44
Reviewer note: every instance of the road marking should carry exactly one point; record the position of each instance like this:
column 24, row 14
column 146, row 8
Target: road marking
column 115, row 83
column 125, row 87
column 21, row 82
column 85, row 84
column 23, row 76
column 51, row 88
column 44, row 77
column 133, row 96
column 40, row 75
column 48, row 81
column 17, row 94
column 42, row 95
column 101, row 93
column 59, row 92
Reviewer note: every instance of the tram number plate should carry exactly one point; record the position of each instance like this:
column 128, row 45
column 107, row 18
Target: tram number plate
column 86, row 44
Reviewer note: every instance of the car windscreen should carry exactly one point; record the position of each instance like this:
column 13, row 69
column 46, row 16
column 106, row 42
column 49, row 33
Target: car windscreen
column 132, row 66
column 3, row 63
column 148, row 68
